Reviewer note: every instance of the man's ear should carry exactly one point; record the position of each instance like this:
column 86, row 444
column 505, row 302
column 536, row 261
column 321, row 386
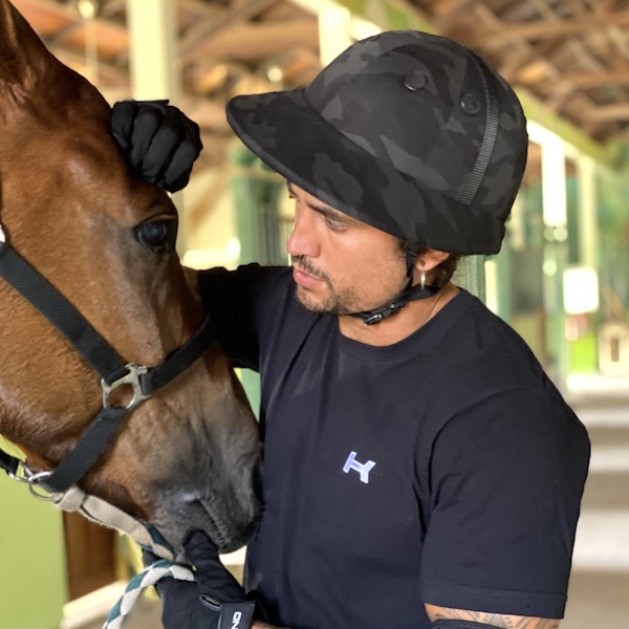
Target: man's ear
column 428, row 259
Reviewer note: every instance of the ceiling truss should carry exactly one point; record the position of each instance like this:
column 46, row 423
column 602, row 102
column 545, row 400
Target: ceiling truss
column 571, row 55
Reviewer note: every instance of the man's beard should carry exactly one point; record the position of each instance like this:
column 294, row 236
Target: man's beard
column 330, row 304
column 337, row 303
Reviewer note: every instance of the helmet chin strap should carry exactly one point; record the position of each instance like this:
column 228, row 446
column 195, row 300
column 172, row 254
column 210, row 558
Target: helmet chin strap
column 410, row 293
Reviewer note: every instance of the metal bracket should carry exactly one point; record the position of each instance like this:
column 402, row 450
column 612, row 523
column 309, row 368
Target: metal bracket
column 130, row 379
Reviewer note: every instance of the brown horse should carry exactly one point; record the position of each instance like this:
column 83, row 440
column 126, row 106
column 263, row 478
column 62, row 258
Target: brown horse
column 187, row 456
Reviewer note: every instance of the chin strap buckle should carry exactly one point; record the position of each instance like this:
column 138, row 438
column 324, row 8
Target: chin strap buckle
column 375, row 316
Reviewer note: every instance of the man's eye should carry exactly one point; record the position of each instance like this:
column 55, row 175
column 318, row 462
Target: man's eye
column 335, row 224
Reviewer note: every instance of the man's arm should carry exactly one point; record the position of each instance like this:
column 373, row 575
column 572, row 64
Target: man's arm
column 496, row 620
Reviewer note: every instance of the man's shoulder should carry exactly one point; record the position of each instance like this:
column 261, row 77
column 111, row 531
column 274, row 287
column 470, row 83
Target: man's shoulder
column 245, row 274
column 247, row 286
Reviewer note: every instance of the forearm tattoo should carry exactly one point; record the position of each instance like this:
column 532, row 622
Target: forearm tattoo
column 498, row 620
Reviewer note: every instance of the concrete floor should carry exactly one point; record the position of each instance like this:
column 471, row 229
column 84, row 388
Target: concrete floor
column 597, row 600
column 599, row 588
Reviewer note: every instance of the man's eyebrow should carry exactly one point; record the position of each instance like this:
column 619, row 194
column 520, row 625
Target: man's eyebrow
column 320, row 207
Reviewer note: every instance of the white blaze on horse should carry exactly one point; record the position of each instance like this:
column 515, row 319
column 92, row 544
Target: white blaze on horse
column 109, row 380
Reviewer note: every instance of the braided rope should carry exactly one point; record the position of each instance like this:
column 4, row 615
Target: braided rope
column 161, row 569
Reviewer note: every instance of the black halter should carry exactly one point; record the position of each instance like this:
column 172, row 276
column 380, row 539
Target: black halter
column 113, row 370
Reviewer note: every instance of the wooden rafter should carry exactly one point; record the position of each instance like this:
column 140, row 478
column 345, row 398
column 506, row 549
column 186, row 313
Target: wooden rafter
column 571, row 55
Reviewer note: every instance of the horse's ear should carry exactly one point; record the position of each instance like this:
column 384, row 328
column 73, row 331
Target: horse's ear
column 23, row 57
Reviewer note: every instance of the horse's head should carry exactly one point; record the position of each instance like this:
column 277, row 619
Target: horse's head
column 186, row 457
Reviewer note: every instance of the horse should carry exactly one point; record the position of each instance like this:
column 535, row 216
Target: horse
column 111, row 380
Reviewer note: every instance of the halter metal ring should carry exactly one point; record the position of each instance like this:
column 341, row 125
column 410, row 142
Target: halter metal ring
column 33, row 480
column 130, row 379
column 36, row 489
column 2, row 236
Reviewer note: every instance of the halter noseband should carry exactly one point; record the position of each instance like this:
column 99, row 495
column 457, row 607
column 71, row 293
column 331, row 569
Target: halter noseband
column 113, row 370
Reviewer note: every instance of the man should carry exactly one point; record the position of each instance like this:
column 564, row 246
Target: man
column 420, row 470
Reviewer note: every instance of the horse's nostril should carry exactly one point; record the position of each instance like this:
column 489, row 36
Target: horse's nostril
column 190, row 497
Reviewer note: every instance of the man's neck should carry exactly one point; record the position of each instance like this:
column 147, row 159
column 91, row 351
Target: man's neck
column 402, row 324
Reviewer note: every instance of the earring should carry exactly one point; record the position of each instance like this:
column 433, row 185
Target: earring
column 422, row 280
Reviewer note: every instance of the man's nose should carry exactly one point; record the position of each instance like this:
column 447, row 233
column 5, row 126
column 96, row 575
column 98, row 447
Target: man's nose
column 302, row 240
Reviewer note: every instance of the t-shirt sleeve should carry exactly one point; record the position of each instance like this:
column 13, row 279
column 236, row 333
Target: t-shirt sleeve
column 507, row 479
column 238, row 302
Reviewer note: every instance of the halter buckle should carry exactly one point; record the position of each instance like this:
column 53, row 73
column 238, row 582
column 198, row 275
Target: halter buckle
column 2, row 236
column 130, row 379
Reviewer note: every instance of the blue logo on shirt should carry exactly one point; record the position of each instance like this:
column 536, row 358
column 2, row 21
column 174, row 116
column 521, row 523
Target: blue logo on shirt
column 362, row 468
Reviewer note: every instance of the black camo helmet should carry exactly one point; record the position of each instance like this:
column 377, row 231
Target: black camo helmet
column 406, row 131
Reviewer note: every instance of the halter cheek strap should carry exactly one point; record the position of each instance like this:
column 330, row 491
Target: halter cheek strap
column 97, row 352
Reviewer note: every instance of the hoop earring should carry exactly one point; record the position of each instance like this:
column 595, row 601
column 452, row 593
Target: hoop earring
column 422, row 280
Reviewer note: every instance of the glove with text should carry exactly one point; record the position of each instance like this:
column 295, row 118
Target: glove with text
column 214, row 601
column 159, row 142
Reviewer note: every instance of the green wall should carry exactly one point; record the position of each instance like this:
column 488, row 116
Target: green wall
column 33, row 576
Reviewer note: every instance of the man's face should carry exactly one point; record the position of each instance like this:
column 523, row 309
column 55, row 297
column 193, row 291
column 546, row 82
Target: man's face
column 342, row 265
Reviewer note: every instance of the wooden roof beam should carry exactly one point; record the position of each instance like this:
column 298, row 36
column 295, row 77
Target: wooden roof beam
column 254, row 41
column 108, row 72
column 602, row 114
column 544, row 30
column 594, row 80
column 240, row 13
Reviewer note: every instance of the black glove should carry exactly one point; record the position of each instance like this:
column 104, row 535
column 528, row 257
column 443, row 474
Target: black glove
column 214, row 601
column 159, row 142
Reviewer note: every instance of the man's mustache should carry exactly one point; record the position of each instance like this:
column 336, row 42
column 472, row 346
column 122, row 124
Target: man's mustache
column 303, row 264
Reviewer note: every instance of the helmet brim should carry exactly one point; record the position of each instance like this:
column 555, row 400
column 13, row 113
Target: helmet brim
column 283, row 130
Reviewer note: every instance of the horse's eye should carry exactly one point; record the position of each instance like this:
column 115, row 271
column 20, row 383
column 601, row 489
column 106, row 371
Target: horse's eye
column 158, row 234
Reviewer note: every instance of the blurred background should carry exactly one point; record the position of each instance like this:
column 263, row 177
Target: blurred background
column 561, row 279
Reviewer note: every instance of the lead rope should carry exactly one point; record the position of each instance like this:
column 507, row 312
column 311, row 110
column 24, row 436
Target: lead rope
column 97, row 510
column 144, row 534
column 161, row 569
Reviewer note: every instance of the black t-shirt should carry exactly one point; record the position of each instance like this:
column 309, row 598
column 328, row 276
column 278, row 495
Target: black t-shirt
column 444, row 469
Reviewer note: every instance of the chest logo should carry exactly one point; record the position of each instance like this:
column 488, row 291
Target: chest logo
column 362, row 468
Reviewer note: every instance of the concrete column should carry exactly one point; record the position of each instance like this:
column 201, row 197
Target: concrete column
column 588, row 224
column 554, row 206
column 152, row 49
column 471, row 276
column 334, row 32
column 152, row 28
